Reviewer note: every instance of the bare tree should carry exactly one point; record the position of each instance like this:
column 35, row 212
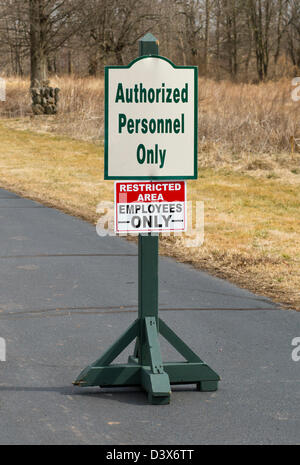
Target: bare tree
column 261, row 13
column 14, row 34
column 112, row 27
column 293, row 32
column 225, row 38
column 207, row 20
column 52, row 23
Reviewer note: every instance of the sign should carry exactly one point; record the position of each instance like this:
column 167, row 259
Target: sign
column 150, row 133
column 151, row 120
column 150, row 207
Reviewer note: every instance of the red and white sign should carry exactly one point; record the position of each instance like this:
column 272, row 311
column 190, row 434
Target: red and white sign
column 150, row 206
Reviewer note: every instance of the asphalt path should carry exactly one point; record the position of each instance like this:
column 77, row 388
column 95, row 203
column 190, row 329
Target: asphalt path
column 66, row 294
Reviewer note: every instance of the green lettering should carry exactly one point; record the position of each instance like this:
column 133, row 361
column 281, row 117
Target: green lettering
column 169, row 94
column 122, row 122
column 144, row 126
column 160, row 126
column 151, row 95
column 185, row 94
column 177, row 126
column 168, row 128
column 137, row 123
column 141, row 154
column 152, row 126
column 158, row 91
column 176, row 95
column 130, row 126
column 120, row 94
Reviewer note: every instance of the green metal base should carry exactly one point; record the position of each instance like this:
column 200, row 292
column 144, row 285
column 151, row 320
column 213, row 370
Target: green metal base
column 154, row 376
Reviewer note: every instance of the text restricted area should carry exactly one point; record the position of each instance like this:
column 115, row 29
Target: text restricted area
column 150, row 207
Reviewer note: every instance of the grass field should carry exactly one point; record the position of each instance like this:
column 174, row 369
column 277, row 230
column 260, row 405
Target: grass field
column 252, row 226
column 234, row 119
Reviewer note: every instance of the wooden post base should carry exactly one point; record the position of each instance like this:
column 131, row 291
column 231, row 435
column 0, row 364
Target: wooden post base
column 156, row 378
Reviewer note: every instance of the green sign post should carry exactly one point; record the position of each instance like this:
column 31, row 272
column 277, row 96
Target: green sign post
column 145, row 367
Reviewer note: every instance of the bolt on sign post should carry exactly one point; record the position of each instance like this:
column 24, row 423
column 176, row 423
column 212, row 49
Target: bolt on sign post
column 151, row 114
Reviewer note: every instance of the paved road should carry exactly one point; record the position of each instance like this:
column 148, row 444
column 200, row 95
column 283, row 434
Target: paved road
column 65, row 296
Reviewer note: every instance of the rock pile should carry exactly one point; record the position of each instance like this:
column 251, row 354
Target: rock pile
column 45, row 100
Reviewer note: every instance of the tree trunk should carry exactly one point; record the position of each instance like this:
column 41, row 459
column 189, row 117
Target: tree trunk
column 234, row 42
column 70, row 64
column 261, row 15
column 39, row 62
column 119, row 57
column 44, row 98
column 279, row 33
column 218, row 20
column 206, row 35
column 93, row 66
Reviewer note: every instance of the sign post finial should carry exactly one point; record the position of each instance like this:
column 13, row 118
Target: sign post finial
column 148, row 45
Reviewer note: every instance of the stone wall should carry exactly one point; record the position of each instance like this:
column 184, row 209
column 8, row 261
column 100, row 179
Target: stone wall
column 45, row 100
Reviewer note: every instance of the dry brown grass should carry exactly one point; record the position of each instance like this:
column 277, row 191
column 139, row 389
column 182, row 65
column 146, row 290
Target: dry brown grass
column 246, row 117
column 234, row 119
column 249, row 180
column 252, row 234
column 57, row 170
column 17, row 102
column 242, row 127
column 81, row 107
column 252, row 229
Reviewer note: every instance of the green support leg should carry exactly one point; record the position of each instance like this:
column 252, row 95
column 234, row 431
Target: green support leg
column 154, row 380
column 157, row 386
column 88, row 377
column 156, row 377
column 192, row 371
column 207, row 386
column 178, row 343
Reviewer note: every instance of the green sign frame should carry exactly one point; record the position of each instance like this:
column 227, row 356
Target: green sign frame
column 106, row 118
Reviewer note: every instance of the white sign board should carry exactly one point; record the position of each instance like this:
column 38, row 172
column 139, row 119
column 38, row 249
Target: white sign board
column 151, row 113
column 150, row 207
